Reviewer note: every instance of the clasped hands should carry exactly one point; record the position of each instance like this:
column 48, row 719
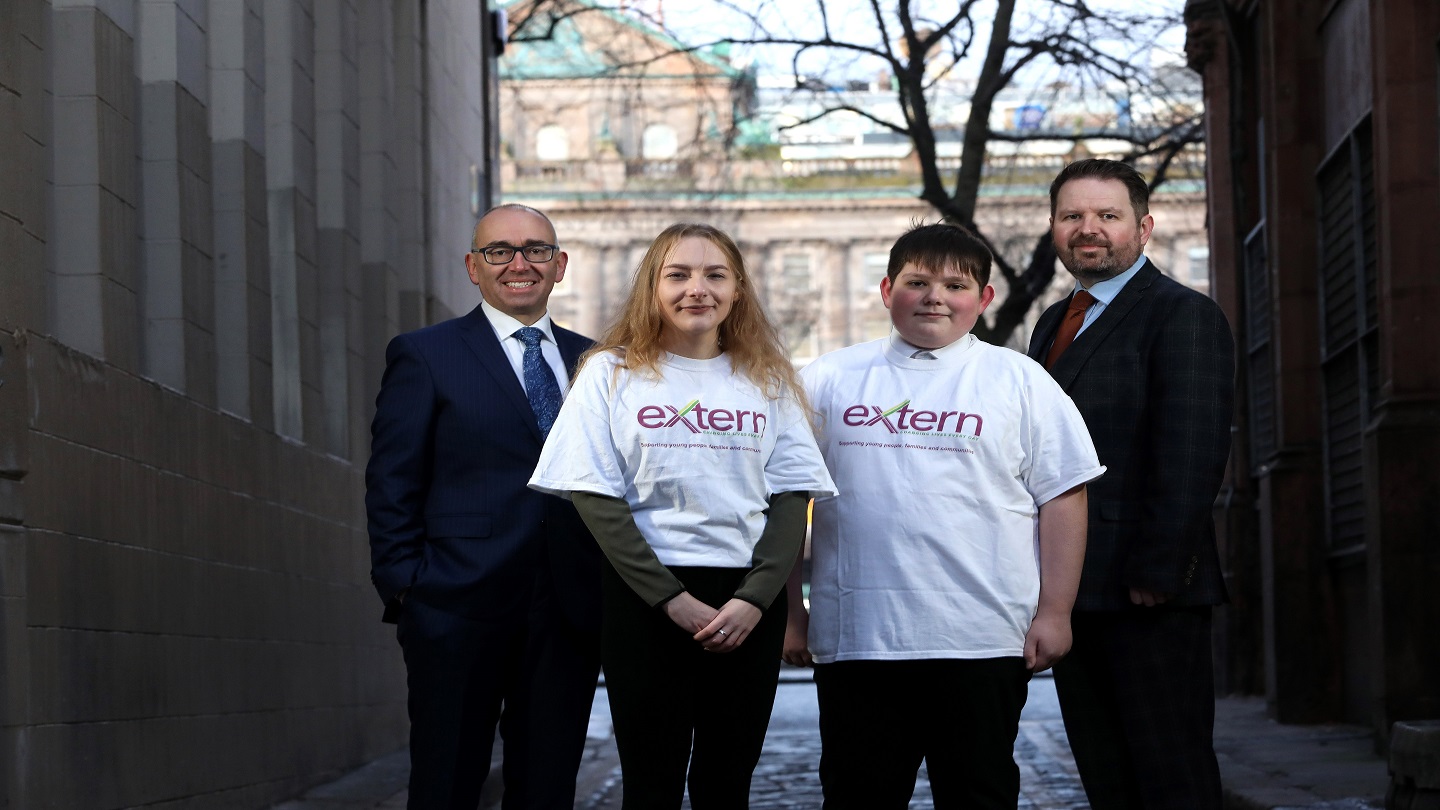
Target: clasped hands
column 718, row 631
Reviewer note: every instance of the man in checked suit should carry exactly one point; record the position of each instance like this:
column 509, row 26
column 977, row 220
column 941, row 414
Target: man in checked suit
column 495, row 587
column 1152, row 372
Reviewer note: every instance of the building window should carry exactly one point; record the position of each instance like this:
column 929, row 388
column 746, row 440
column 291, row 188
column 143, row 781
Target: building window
column 552, row 142
column 1198, row 274
column 659, row 142
column 1258, row 354
column 1349, row 359
column 795, row 274
column 877, row 265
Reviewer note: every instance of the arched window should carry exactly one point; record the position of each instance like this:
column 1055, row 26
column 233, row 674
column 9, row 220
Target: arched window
column 659, row 142
column 552, row 142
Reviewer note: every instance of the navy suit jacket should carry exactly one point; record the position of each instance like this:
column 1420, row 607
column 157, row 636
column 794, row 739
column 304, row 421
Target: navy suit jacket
column 451, row 519
column 1153, row 377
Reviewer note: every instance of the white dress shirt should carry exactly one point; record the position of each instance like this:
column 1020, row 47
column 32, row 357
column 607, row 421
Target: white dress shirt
column 505, row 328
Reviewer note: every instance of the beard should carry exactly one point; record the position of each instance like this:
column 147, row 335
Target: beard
column 1114, row 260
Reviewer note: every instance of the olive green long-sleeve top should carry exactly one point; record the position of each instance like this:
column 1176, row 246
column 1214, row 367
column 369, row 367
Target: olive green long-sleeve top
column 613, row 525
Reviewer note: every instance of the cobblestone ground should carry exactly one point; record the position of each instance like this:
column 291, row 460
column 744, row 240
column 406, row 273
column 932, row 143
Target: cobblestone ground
column 788, row 779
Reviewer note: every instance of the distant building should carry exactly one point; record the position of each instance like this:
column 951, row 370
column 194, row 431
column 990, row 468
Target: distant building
column 1324, row 192
column 617, row 131
column 213, row 215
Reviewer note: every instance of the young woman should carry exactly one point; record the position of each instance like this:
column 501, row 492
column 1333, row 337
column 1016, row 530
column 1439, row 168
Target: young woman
column 685, row 443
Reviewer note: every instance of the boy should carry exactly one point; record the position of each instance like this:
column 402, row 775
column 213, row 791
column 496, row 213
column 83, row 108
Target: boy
column 959, row 463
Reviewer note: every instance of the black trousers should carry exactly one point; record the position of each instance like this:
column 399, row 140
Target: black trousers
column 1138, row 696
column 673, row 703
column 461, row 672
column 880, row 719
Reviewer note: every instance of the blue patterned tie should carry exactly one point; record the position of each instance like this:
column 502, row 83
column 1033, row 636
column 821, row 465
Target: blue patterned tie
column 540, row 386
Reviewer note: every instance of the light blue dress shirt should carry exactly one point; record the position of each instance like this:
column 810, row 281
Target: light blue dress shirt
column 1105, row 292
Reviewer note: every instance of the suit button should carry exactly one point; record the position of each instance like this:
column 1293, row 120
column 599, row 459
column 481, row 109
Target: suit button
column 1187, row 580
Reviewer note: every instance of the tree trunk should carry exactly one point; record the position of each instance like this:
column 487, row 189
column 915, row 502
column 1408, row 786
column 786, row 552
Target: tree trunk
column 977, row 125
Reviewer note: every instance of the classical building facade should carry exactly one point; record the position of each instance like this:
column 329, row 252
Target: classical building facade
column 818, row 256
column 1323, row 114
column 213, row 214
column 584, row 92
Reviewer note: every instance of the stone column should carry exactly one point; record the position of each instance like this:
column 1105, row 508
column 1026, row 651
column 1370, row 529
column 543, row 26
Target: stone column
column 242, row 258
column 1402, row 442
column 1239, row 647
column 1302, row 677
column 380, row 200
column 290, row 184
column 410, row 258
column 337, row 196
column 176, row 229
column 456, row 145
column 94, row 298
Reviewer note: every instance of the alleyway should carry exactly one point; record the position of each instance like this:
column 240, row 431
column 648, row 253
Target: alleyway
column 1264, row 764
column 787, row 776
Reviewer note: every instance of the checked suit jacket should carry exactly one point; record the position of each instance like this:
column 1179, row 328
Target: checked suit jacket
column 451, row 519
column 1153, row 377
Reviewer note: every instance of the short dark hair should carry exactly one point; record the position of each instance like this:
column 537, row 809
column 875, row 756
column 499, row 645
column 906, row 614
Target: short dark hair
column 1102, row 169
column 941, row 247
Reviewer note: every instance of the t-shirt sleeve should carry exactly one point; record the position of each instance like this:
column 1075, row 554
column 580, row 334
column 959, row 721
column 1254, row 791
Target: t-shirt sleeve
column 817, row 389
column 580, row 455
column 796, row 464
column 1059, row 452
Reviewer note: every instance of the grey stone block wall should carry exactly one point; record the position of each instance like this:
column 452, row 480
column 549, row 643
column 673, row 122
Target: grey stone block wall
column 196, row 607
column 95, row 283
column 213, row 216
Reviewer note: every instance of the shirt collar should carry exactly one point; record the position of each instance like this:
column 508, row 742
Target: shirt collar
column 1105, row 291
column 505, row 325
column 907, row 349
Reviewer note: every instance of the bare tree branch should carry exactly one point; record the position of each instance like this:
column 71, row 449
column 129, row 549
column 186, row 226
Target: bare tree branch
column 1093, row 53
column 850, row 108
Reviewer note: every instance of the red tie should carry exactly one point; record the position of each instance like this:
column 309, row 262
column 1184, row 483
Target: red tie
column 1069, row 326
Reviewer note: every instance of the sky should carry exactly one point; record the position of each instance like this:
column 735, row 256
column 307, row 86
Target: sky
column 698, row 21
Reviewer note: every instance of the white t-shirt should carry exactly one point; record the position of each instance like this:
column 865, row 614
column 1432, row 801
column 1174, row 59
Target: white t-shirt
column 697, row 453
column 930, row 551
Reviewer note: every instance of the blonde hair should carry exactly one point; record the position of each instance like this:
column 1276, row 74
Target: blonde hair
column 747, row 336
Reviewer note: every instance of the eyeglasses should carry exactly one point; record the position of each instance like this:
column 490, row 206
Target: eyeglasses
column 502, row 254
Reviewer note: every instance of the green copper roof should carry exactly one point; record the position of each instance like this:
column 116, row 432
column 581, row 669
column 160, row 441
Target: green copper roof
column 562, row 56
column 566, row 54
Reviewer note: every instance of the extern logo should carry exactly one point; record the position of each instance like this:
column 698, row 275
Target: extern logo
column 697, row 418
column 902, row 417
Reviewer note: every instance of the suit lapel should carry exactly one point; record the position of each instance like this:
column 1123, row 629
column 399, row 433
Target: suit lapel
column 480, row 337
column 571, row 347
column 1045, row 329
column 1067, row 368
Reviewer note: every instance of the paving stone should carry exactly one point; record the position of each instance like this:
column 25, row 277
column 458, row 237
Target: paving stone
column 788, row 774
column 1256, row 759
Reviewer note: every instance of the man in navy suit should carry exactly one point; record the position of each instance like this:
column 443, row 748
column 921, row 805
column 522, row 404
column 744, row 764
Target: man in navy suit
column 1152, row 371
column 494, row 586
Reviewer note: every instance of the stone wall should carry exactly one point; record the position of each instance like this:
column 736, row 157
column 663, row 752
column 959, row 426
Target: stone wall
column 213, row 215
column 1331, row 289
